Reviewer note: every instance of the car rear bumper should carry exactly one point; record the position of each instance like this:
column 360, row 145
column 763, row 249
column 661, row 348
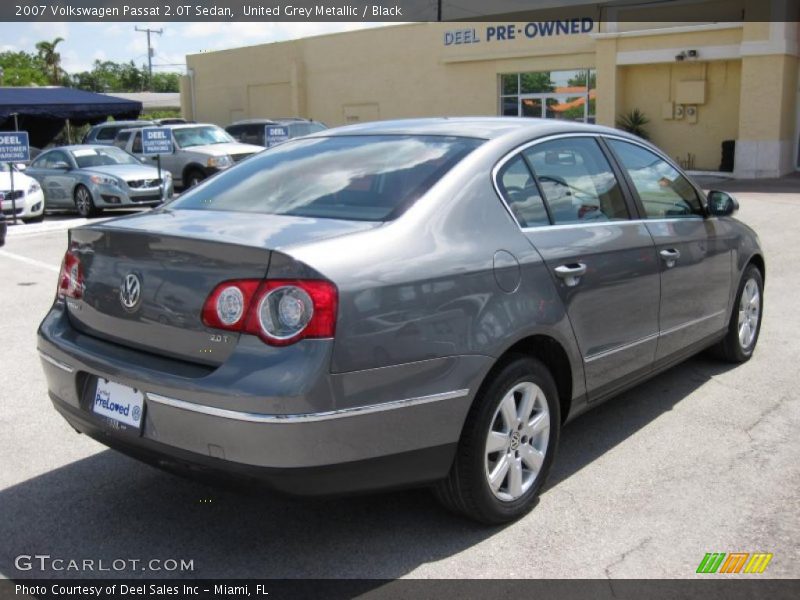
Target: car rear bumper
column 405, row 469
column 355, row 429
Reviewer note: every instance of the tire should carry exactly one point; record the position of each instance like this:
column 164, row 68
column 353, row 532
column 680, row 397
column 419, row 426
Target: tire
column 84, row 203
column 739, row 344
column 467, row 489
column 192, row 178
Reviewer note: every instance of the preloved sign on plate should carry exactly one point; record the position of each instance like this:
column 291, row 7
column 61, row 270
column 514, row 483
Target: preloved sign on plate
column 119, row 402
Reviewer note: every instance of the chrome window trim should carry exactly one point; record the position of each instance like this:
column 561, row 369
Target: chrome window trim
column 302, row 417
column 55, row 362
column 511, row 154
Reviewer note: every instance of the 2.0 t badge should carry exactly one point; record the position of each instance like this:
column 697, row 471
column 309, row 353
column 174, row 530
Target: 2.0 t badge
column 130, row 292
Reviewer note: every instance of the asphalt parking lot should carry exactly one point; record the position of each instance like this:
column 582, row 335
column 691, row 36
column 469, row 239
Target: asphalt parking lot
column 703, row 458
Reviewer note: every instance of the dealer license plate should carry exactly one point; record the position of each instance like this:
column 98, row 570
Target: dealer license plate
column 120, row 403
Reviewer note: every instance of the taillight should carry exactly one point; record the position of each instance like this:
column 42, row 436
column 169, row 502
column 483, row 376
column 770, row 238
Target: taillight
column 279, row 311
column 70, row 278
column 227, row 305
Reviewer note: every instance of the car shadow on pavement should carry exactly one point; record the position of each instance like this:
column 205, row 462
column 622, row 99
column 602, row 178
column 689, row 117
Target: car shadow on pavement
column 111, row 507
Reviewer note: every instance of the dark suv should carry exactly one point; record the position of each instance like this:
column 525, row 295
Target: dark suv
column 104, row 133
column 251, row 131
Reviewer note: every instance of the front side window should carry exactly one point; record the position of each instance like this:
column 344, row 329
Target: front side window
column 664, row 192
column 577, row 181
column 49, row 160
column 519, row 189
column 363, row 178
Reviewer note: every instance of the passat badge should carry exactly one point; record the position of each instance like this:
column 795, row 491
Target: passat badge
column 130, row 292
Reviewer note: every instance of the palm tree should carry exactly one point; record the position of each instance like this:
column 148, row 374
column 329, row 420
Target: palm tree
column 634, row 122
column 51, row 58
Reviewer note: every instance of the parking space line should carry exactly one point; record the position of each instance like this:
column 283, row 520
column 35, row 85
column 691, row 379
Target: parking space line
column 30, row 261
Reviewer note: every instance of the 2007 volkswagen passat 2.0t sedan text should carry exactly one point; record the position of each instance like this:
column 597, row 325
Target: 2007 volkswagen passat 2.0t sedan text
column 418, row 302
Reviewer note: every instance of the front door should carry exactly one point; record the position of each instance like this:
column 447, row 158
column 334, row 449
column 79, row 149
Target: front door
column 694, row 252
column 604, row 264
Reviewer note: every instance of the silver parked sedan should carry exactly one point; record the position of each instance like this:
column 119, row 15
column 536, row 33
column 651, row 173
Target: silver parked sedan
column 419, row 302
column 91, row 178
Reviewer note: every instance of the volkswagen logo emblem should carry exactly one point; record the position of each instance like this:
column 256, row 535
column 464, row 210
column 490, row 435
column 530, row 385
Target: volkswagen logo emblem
column 130, row 292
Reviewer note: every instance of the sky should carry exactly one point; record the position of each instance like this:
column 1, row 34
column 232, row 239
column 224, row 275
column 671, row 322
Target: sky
column 86, row 42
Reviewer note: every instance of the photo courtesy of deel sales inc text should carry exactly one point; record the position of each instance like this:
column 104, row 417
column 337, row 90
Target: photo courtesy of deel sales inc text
column 415, row 299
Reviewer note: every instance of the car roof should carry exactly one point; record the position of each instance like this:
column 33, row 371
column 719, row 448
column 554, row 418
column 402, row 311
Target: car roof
column 72, row 147
column 277, row 120
column 188, row 125
column 123, row 123
column 476, row 127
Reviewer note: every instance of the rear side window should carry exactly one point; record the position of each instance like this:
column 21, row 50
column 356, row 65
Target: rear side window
column 577, row 181
column 136, row 147
column 235, row 131
column 107, row 133
column 664, row 192
column 364, row 178
column 521, row 193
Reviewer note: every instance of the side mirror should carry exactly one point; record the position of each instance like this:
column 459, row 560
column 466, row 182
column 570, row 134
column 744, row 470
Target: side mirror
column 721, row 204
column 20, row 167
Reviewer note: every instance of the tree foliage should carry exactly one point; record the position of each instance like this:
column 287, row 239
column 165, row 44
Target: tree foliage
column 50, row 59
column 22, row 69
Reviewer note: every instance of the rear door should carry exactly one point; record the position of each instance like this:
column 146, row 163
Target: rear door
column 695, row 257
column 571, row 206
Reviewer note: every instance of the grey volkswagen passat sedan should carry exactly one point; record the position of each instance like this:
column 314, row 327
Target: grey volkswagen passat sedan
column 398, row 303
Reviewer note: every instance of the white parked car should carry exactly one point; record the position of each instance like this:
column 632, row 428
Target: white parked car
column 27, row 198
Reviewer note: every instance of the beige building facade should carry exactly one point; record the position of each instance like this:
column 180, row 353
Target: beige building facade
column 719, row 95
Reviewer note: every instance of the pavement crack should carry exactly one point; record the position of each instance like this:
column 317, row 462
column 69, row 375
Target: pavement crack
column 624, row 556
column 766, row 413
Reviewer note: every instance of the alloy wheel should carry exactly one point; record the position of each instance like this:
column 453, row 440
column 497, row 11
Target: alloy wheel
column 517, row 441
column 749, row 312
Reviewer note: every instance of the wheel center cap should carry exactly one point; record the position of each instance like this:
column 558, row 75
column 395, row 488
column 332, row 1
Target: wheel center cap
column 515, row 439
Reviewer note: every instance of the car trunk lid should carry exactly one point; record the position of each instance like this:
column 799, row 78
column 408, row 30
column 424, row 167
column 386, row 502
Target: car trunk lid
column 147, row 277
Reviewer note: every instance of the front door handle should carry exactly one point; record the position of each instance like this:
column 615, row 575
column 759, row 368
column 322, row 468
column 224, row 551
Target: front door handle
column 670, row 256
column 571, row 273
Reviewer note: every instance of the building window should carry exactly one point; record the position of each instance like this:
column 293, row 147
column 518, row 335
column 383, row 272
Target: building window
column 568, row 95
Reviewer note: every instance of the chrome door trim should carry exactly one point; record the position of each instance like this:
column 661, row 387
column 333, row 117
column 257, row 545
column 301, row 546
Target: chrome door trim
column 607, row 353
column 693, row 322
column 302, row 417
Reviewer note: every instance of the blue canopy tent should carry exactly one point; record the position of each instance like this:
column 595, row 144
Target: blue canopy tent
column 42, row 111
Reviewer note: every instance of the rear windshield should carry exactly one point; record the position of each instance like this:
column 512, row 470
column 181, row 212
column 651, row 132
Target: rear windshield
column 363, row 178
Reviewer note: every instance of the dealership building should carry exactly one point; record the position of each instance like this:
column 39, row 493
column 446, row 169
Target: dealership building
column 720, row 95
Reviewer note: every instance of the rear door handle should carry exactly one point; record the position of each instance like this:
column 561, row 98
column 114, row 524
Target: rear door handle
column 670, row 256
column 571, row 273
